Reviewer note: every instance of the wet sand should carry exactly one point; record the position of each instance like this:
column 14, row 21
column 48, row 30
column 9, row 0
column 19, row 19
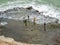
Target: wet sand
column 30, row 34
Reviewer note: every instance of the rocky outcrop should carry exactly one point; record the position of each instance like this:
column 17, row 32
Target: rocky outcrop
column 19, row 12
column 29, row 8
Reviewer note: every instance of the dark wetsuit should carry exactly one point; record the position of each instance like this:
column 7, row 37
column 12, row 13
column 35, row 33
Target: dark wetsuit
column 44, row 26
column 28, row 18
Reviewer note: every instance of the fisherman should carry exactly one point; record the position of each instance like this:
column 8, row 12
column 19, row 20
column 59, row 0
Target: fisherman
column 44, row 26
column 28, row 23
column 28, row 18
column 34, row 21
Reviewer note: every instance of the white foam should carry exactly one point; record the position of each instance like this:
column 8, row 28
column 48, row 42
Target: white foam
column 3, row 23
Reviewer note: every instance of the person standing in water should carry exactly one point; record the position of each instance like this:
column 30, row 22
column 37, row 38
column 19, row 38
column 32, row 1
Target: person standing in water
column 34, row 21
column 28, row 18
column 44, row 26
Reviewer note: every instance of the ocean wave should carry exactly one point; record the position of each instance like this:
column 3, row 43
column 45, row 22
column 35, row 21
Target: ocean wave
column 48, row 10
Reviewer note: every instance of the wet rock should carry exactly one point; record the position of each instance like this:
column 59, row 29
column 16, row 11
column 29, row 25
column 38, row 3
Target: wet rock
column 9, row 10
column 19, row 12
column 41, row 13
column 37, row 11
column 5, row 11
column 16, row 8
column 29, row 8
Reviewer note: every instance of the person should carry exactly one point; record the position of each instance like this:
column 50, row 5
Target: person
column 28, row 18
column 44, row 26
column 34, row 21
